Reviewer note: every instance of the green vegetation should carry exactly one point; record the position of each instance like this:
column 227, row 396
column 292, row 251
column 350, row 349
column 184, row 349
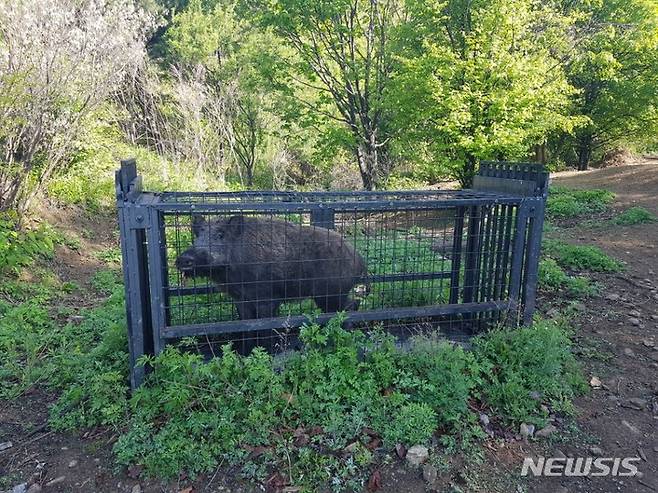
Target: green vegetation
column 565, row 203
column 19, row 248
column 633, row 216
column 552, row 278
column 580, row 258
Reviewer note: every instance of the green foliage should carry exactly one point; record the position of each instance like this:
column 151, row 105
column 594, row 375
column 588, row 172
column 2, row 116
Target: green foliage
column 553, row 278
column 577, row 257
column 569, row 203
column 19, row 248
column 633, row 216
column 413, row 423
column 105, row 281
column 479, row 82
column 527, row 361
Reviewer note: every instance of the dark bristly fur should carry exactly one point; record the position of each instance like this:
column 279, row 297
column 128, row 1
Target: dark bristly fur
column 262, row 263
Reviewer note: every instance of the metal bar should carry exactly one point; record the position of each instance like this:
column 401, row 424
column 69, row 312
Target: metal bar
column 188, row 291
column 156, row 268
column 299, row 320
column 456, row 257
column 209, row 208
column 532, row 258
column 518, row 252
column 472, row 254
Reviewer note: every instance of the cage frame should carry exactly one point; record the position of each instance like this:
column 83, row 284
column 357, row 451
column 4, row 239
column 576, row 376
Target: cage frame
column 142, row 232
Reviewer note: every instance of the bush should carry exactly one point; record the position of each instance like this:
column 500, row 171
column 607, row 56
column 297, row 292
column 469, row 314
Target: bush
column 553, row 278
column 568, row 203
column 19, row 248
column 579, row 258
column 525, row 362
column 633, row 216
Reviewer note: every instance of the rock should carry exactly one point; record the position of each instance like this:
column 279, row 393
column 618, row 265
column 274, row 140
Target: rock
column 5, row 445
column 553, row 313
column 598, row 451
column 634, row 321
column 417, row 454
column 400, row 450
column 654, row 317
column 136, row 489
column 648, row 342
column 655, row 449
column 35, row 488
column 612, row 297
column 430, row 473
column 484, row 419
column 629, row 352
column 546, row 431
column 55, row 481
column 631, row 427
column 638, row 402
column 634, row 313
column 73, row 463
column 595, row 382
column 526, row 430
column 19, row 488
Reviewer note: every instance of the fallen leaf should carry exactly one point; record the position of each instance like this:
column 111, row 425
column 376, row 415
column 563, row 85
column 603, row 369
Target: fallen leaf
column 375, row 481
column 373, row 444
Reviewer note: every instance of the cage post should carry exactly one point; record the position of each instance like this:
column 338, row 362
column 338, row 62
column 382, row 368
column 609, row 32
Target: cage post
column 157, row 278
column 135, row 272
column 456, row 257
column 535, row 229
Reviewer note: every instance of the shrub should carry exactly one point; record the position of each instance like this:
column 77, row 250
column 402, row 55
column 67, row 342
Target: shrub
column 568, row 203
column 19, row 248
column 580, row 258
column 633, row 216
column 519, row 363
column 553, row 278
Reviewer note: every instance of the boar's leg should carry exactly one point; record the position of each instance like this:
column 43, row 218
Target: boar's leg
column 331, row 303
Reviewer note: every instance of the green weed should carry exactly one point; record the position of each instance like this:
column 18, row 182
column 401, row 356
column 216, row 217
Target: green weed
column 633, row 216
column 19, row 248
column 580, row 258
column 569, row 203
column 554, row 279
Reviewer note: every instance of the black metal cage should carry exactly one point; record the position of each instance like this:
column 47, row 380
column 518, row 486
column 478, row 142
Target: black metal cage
column 252, row 267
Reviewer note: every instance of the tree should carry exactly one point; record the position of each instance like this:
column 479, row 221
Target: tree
column 59, row 60
column 479, row 82
column 342, row 51
column 612, row 58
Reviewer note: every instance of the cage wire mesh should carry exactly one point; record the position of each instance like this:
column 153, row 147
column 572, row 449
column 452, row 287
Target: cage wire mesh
column 249, row 268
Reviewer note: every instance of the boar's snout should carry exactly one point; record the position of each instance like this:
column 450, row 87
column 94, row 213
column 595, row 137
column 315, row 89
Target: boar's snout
column 193, row 260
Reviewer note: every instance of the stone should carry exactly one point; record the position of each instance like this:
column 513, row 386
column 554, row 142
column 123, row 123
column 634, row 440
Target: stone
column 526, row 430
column 484, row 419
column 634, row 321
column 629, row 352
column 638, row 402
column 136, row 489
column 417, row 455
column 612, row 297
column 595, row 382
column 5, row 446
column 57, row 480
column 19, row 488
column 654, row 317
column 648, row 342
column 35, row 488
column 630, row 427
column 430, row 473
column 546, row 431
column 634, row 313
column 73, row 463
column 598, row 451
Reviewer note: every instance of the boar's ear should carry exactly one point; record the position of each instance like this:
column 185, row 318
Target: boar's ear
column 235, row 225
column 198, row 223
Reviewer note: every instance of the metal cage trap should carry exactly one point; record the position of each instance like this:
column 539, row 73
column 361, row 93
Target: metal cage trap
column 252, row 267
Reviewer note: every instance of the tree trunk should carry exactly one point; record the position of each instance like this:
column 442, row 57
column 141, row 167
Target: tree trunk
column 368, row 162
column 584, row 151
column 466, row 176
